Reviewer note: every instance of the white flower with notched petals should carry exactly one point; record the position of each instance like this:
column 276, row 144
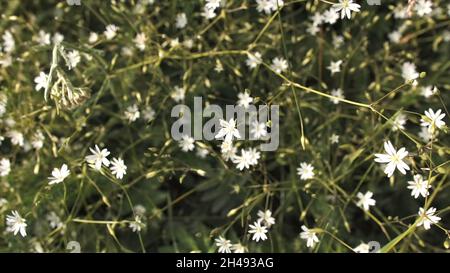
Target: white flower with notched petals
column 259, row 231
column 243, row 161
column 140, row 40
column 16, row 137
column 43, row 38
column 258, row 130
column 137, row 225
column 419, row 186
column 181, row 20
column 244, row 100
column 132, row 113
column 202, row 152
column 228, row 130
column 310, row 236
column 16, row 224
column 58, row 175
column 433, row 120
column 393, row 159
column 186, row 143
column 148, row 114
column 98, row 158
column 335, row 67
column 253, row 60
column 118, row 168
column 365, row 200
column 279, row 65
column 346, row 7
column 208, row 13
column 330, row 16
column 337, row 94
column 228, row 150
column 427, row 218
column 312, row 29
column 362, row 248
column 425, row 135
column 110, row 31
column 223, row 244
column 238, row 248
column 178, row 94
column 41, row 81
column 5, row 167
column 395, row 36
column 266, row 218
column 254, row 155
column 423, row 7
column 73, row 58
column 305, row 171
column 37, row 141
column 334, row 139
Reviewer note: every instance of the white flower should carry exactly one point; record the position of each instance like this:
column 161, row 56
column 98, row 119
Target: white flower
column 223, row 244
column 395, row 36
column 37, row 141
column 244, row 99
column 334, row 139
column 132, row 113
column 73, row 58
column 258, row 231
column 110, row 31
column 58, row 38
column 399, row 122
column 93, row 37
column 54, row 220
column 268, row 6
column 400, row 12
column 140, row 40
column 330, row 16
column 254, row 155
column 137, row 224
column 338, row 40
column 181, row 20
column 5, row 167
column 43, row 38
column 309, row 235
column 433, row 120
column 312, row 29
column 337, row 94
column 228, row 129
column 118, row 167
column 208, row 13
column 428, row 91
column 306, row 171
column 253, row 60
column 427, row 218
column 279, row 65
column 362, row 248
column 238, row 248
column 335, row 67
column 188, row 43
column 58, row 175
column 393, row 158
column 425, row 135
column 41, row 81
column 228, row 150
column 365, row 200
column 98, row 157
column 186, row 143
column 219, row 67
column 202, row 152
column 16, row 137
column 346, row 7
column 258, row 130
column 148, row 114
column 178, row 94
column 419, row 186
column 243, row 161
column 266, row 218
column 409, row 72
column 8, row 42
column 317, row 19
column 212, row 4
column 423, row 7
column 16, row 224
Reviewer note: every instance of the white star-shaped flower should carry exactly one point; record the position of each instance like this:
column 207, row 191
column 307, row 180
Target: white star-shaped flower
column 427, row 218
column 310, row 236
column 419, row 186
column 365, row 200
column 393, row 158
column 259, row 231
column 58, row 175
column 228, row 130
column 346, row 7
